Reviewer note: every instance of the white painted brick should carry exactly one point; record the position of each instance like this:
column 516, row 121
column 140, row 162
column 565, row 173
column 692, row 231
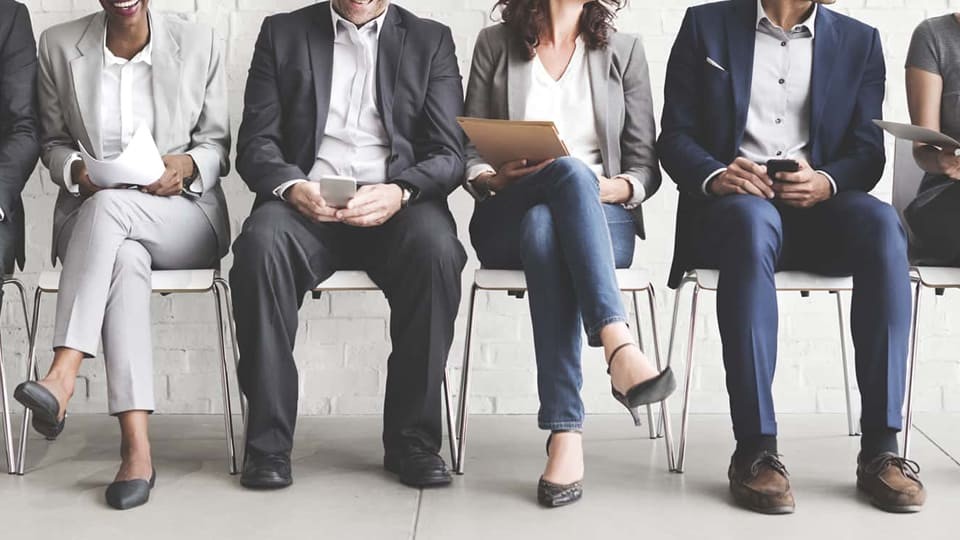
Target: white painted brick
column 342, row 341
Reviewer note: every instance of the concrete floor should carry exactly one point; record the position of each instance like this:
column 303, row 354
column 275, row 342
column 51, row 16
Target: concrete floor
column 341, row 491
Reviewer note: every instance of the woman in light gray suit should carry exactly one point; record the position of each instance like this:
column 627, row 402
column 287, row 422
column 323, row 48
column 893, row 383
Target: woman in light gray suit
column 568, row 223
column 101, row 78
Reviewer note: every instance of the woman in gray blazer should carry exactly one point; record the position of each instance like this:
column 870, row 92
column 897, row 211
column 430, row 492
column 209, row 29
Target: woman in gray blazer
column 102, row 78
column 568, row 223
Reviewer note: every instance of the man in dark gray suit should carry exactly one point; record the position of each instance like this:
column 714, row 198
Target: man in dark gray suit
column 19, row 146
column 370, row 91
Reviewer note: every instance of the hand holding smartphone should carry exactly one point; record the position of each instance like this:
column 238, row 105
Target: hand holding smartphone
column 775, row 166
column 337, row 190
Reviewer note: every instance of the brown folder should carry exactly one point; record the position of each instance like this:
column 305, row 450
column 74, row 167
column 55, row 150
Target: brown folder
column 502, row 141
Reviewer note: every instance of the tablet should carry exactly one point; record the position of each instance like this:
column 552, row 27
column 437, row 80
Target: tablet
column 502, row 141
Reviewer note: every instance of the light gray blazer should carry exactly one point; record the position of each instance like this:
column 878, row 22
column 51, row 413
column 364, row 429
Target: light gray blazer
column 190, row 96
column 622, row 102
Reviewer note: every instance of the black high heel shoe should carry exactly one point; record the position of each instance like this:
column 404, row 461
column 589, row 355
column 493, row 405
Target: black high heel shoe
column 44, row 406
column 552, row 495
column 650, row 391
column 130, row 493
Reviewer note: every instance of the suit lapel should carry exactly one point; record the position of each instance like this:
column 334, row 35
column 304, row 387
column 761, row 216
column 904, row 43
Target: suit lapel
column 320, row 43
column 599, row 62
column 389, row 55
column 825, row 46
column 741, row 44
column 85, row 72
column 518, row 82
column 167, row 76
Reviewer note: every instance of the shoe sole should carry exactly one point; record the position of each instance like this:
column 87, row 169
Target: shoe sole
column 265, row 487
column 428, row 483
column 892, row 509
column 775, row 511
column 43, row 421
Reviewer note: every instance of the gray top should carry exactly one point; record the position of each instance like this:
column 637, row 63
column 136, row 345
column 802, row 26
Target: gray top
column 935, row 48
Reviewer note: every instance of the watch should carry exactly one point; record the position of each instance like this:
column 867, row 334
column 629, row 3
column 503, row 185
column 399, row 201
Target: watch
column 406, row 197
column 187, row 182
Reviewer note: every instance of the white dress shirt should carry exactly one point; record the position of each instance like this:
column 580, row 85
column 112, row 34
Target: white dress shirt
column 567, row 102
column 126, row 102
column 355, row 143
column 778, row 120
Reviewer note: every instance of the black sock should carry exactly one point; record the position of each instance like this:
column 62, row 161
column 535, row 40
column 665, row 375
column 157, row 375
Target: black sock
column 875, row 442
column 750, row 448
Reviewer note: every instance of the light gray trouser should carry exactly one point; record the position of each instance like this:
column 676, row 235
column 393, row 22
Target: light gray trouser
column 108, row 252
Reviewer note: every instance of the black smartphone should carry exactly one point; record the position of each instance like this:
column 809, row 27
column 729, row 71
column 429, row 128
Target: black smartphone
column 775, row 166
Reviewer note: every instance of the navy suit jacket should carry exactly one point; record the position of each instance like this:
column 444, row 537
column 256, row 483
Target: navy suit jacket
column 705, row 111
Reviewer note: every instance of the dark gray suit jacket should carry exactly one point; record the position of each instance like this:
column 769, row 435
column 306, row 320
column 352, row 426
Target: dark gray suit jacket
column 622, row 101
column 19, row 144
column 419, row 95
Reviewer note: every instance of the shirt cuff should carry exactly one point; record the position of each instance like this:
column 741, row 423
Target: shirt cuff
column 833, row 183
column 475, row 171
column 636, row 187
column 714, row 174
column 282, row 188
column 3, row 216
column 68, row 174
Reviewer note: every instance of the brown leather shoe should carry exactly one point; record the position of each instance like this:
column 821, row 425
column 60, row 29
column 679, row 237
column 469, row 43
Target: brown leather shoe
column 892, row 483
column 762, row 485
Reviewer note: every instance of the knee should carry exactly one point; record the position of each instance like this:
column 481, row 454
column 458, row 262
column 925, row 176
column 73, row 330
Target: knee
column 107, row 200
column 883, row 234
column 435, row 250
column 751, row 226
column 132, row 259
column 571, row 170
column 539, row 235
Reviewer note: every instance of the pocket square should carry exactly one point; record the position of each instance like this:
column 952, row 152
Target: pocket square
column 714, row 63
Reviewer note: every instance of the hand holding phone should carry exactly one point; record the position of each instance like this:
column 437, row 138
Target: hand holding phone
column 337, row 190
column 775, row 166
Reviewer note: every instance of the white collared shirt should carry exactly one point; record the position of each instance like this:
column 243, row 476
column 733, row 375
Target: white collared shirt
column 567, row 102
column 355, row 142
column 778, row 118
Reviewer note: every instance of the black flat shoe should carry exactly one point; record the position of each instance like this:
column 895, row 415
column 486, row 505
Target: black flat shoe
column 44, row 406
column 648, row 392
column 552, row 495
column 418, row 468
column 130, row 493
column 269, row 471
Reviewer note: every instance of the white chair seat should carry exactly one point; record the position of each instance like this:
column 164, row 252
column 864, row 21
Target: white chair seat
column 938, row 277
column 514, row 280
column 348, row 280
column 786, row 281
column 164, row 281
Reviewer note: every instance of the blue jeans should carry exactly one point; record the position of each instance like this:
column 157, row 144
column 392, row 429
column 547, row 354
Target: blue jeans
column 552, row 225
column 852, row 234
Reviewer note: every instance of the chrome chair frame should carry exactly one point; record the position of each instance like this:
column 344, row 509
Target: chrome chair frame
column 12, row 460
column 663, row 423
column 837, row 286
column 220, row 290
column 359, row 281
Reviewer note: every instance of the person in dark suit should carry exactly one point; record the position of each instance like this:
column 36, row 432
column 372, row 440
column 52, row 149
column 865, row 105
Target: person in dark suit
column 372, row 92
column 749, row 81
column 19, row 142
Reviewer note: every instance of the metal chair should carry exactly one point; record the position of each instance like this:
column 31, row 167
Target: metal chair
column 514, row 283
column 164, row 282
column 356, row 280
column 7, row 430
column 907, row 176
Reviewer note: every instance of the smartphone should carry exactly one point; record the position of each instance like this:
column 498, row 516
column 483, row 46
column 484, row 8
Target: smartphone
column 775, row 166
column 337, row 190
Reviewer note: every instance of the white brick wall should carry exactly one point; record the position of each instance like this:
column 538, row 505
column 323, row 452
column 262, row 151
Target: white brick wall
column 342, row 341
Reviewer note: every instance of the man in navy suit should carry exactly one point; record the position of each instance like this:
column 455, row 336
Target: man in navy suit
column 753, row 80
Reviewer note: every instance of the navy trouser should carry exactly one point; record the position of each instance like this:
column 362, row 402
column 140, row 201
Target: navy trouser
column 553, row 226
column 852, row 234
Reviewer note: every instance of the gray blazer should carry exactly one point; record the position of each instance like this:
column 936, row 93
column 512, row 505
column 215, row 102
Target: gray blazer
column 190, row 96
column 622, row 102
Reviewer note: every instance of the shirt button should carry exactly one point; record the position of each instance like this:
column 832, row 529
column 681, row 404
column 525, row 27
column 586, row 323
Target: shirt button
column 783, row 43
column 779, row 153
column 779, row 121
column 782, row 81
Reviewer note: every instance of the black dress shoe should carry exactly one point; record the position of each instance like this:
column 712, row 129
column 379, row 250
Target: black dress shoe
column 130, row 493
column 648, row 392
column 266, row 471
column 44, row 406
column 418, row 468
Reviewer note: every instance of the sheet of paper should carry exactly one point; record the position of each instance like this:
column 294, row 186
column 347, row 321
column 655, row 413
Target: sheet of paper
column 918, row 134
column 140, row 164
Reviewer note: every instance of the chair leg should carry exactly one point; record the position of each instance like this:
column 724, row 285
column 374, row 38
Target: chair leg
column 225, row 383
column 33, row 372
column 7, row 431
column 651, row 423
column 664, row 407
column 687, row 386
column 231, row 322
column 463, row 414
column 851, row 421
column 912, row 370
column 451, row 432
